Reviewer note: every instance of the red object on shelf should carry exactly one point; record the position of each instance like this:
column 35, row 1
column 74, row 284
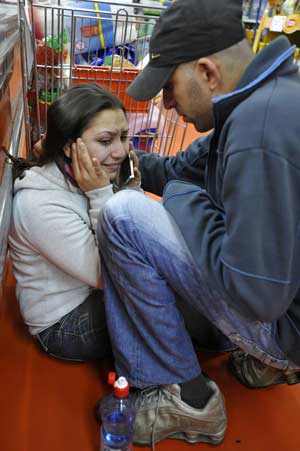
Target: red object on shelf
column 116, row 81
column 46, row 56
column 111, row 378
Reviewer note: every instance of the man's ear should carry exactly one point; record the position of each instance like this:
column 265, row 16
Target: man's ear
column 210, row 72
column 67, row 149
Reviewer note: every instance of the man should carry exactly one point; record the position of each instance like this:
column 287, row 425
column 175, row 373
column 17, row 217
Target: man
column 227, row 243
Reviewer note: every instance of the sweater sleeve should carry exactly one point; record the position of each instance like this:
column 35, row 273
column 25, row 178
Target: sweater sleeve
column 60, row 231
column 97, row 199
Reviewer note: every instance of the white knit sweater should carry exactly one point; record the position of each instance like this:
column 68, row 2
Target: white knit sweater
column 52, row 244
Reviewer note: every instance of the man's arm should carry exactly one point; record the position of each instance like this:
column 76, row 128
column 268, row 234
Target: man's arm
column 251, row 250
column 189, row 165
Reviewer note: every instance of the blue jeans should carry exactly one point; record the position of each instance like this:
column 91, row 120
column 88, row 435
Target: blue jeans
column 146, row 265
column 81, row 335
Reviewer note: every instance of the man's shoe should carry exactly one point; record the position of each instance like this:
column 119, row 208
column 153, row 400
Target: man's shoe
column 161, row 413
column 255, row 374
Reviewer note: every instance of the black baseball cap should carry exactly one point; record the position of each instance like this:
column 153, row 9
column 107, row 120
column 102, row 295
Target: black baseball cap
column 187, row 30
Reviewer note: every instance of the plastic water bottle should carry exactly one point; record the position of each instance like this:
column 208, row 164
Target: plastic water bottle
column 117, row 415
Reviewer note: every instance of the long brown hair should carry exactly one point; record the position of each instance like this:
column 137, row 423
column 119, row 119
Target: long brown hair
column 67, row 118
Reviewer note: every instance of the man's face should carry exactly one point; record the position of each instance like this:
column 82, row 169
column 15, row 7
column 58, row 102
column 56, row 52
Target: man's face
column 188, row 92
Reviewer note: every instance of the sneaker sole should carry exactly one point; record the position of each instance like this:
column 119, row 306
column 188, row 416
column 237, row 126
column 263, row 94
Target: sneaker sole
column 293, row 378
column 197, row 438
column 189, row 437
column 290, row 379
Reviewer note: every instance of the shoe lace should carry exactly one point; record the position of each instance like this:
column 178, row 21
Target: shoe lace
column 151, row 395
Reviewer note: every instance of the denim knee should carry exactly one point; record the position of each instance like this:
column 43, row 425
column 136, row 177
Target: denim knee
column 127, row 203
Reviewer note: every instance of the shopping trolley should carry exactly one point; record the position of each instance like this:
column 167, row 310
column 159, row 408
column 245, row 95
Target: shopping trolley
column 105, row 42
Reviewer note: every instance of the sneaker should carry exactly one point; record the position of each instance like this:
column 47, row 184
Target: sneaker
column 161, row 413
column 255, row 374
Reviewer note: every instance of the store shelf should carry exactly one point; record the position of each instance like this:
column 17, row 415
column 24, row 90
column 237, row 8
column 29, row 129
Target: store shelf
column 273, row 23
column 248, row 20
column 283, row 24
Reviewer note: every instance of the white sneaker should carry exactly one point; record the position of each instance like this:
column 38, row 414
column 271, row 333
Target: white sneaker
column 161, row 413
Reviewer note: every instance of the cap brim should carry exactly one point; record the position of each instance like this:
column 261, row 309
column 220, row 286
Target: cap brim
column 149, row 82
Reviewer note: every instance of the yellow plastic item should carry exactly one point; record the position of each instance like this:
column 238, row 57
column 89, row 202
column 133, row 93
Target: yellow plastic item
column 262, row 26
column 292, row 24
column 249, row 35
column 276, row 3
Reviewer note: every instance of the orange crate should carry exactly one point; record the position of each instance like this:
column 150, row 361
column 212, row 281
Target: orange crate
column 114, row 80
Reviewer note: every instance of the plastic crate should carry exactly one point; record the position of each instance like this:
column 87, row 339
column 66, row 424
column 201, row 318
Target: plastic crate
column 115, row 80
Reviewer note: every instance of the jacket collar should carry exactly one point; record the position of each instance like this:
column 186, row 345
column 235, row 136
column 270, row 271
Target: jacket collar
column 266, row 63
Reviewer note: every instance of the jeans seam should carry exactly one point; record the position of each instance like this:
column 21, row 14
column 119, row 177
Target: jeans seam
column 254, row 345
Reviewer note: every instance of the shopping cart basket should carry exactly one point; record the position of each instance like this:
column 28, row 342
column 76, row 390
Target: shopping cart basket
column 105, row 42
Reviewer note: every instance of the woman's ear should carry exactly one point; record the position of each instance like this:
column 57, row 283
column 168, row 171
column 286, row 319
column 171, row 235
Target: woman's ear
column 67, row 149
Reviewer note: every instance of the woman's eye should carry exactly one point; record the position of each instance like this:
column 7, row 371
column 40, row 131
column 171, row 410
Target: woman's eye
column 105, row 142
column 124, row 138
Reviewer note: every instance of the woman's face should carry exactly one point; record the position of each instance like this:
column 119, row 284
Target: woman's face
column 106, row 139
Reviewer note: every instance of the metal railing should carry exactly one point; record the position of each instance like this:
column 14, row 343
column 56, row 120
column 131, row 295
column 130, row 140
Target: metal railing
column 106, row 42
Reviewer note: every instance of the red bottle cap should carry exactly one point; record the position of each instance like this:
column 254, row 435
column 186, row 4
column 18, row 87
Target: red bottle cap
column 121, row 388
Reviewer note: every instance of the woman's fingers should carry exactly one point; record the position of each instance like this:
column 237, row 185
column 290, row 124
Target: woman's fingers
column 82, row 164
column 88, row 172
column 134, row 158
column 75, row 163
column 136, row 181
column 84, row 158
column 97, row 167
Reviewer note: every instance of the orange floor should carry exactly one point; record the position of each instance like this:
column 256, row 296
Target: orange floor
column 47, row 404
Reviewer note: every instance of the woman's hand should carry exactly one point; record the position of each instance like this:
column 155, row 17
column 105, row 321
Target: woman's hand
column 136, row 181
column 87, row 171
column 38, row 148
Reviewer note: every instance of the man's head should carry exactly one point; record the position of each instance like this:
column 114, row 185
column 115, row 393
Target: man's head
column 194, row 46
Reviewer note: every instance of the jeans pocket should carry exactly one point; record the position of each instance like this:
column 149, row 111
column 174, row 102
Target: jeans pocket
column 43, row 338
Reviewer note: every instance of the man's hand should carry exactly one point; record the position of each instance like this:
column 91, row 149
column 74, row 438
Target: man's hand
column 87, row 171
column 38, row 148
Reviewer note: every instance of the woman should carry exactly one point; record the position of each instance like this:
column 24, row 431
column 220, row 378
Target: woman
column 57, row 200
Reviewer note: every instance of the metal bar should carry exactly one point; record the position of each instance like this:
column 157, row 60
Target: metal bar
column 24, row 76
column 129, row 4
column 6, row 186
column 125, row 32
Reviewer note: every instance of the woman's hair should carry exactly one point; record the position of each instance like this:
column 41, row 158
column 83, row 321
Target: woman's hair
column 67, row 118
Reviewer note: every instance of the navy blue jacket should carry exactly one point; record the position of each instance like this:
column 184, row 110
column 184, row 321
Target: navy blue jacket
column 235, row 194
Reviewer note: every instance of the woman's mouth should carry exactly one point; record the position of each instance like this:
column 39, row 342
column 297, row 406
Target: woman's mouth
column 112, row 167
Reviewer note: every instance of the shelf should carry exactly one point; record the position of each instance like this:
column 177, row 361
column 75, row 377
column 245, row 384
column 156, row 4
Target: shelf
column 271, row 24
column 282, row 24
column 248, row 20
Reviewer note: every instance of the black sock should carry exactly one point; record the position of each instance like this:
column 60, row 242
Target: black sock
column 196, row 392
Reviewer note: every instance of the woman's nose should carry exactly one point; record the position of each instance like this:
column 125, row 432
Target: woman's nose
column 118, row 150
